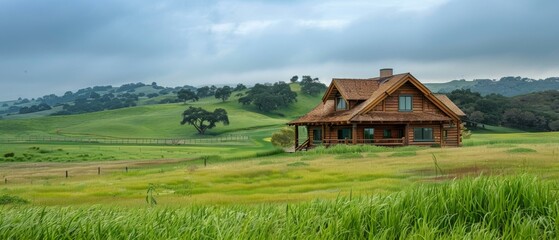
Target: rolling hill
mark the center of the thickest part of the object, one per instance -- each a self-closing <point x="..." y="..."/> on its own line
<point x="155" y="121"/>
<point x="506" y="86"/>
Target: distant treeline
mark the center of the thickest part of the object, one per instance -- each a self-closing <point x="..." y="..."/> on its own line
<point x="98" y="103"/>
<point x="506" y="86"/>
<point x="90" y="99"/>
<point x="533" y="112"/>
<point x="265" y="97"/>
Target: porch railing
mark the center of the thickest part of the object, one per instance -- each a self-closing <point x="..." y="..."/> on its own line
<point x="305" y="145"/>
<point x="380" y="142"/>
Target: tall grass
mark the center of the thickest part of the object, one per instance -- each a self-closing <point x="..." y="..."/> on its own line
<point x="520" y="207"/>
<point x="344" y="148"/>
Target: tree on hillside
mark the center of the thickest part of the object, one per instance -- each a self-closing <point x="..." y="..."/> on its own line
<point x="34" y="108"/>
<point x="186" y="94"/>
<point x="203" y="91"/>
<point x="212" y="90"/>
<point x="94" y="95"/>
<point x="269" y="97"/>
<point x="312" y="86"/>
<point x="202" y="119"/>
<point x="240" y="87"/>
<point x="223" y="93"/>
<point x="294" y="79"/>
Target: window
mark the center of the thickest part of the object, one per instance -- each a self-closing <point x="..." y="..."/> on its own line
<point x="387" y="133"/>
<point x="445" y="134"/>
<point x="405" y="103"/>
<point x="369" y="135"/>
<point x="344" y="133"/>
<point x="423" y="134"/>
<point x="341" y="104"/>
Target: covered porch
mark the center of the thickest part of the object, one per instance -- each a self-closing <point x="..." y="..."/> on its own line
<point x="426" y="133"/>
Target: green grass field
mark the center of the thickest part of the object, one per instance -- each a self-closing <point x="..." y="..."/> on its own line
<point x="148" y="121"/>
<point x="287" y="177"/>
<point x="251" y="190"/>
<point x="521" y="207"/>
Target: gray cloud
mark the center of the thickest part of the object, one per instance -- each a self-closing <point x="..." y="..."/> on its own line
<point x="60" y="45"/>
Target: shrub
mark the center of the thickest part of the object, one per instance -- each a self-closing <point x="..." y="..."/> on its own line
<point x="9" y="155"/>
<point x="285" y="137"/>
<point x="7" y="199"/>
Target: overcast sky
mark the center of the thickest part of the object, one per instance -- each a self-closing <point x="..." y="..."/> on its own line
<point x="58" y="45"/>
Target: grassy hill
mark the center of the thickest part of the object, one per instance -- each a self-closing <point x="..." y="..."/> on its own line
<point x="155" y="121"/>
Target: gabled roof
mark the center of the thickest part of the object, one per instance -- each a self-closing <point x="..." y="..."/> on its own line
<point x="377" y="90"/>
<point x="443" y="98"/>
<point x="323" y="113"/>
<point x="352" y="89"/>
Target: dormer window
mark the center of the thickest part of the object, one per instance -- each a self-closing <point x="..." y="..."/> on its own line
<point x="341" y="104"/>
<point x="405" y="103"/>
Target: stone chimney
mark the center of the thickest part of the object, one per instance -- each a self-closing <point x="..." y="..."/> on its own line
<point x="386" y="72"/>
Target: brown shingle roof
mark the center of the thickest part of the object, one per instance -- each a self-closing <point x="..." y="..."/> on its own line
<point x="450" y="104"/>
<point x="386" y="84"/>
<point x="356" y="89"/>
<point x="324" y="112"/>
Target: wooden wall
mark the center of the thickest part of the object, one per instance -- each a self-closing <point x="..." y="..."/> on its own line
<point x="452" y="139"/>
<point x="419" y="102"/>
<point x="452" y="135"/>
<point x="436" y="134"/>
<point x="391" y="102"/>
<point x="332" y="132"/>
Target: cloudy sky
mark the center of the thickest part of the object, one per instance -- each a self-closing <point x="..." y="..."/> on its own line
<point x="58" y="45"/>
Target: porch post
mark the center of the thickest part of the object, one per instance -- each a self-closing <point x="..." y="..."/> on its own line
<point x="459" y="133"/>
<point x="442" y="134"/>
<point x="328" y="129"/>
<point x="323" y="136"/>
<point x="296" y="136"/>
<point x="354" y="133"/>
<point x="407" y="134"/>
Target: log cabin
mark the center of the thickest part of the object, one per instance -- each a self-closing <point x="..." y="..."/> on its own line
<point x="389" y="110"/>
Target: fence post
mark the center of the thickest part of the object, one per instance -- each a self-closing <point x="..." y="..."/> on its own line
<point x="5" y="180"/>
<point x="98" y="170"/>
<point x="66" y="173"/>
<point x="126" y="168"/>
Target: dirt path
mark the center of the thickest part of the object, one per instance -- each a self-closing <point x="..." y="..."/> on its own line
<point x="23" y="172"/>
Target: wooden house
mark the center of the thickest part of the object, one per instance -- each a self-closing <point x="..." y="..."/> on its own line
<point x="387" y="110"/>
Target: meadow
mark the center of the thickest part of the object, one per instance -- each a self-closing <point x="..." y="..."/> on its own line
<point x="499" y="187"/>
<point x="501" y="184"/>
<point x="520" y="207"/>
<point x="280" y="177"/>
